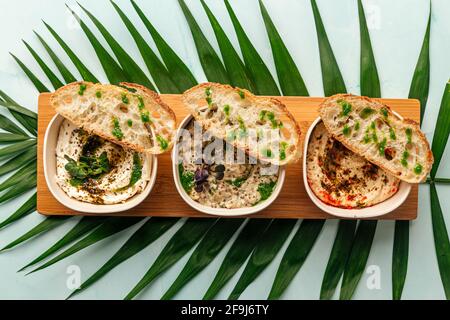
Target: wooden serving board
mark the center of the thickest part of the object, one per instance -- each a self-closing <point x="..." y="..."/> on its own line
<point x="164" y="200"/>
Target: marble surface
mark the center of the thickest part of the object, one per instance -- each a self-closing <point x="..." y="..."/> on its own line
<point x="396" y="28"/>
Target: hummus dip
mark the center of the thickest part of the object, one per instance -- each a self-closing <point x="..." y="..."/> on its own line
<point x="91" y="169"/>
<point x="219" y="181"/>
<point x="341" y="178"/>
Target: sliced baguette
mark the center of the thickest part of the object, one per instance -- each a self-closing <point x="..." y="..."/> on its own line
<point x="395" y="144"/>
<point x="119" y="114"/>
<point x="227" y="112"/>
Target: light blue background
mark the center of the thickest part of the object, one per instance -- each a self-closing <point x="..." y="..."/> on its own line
<point x="397" y="32"/>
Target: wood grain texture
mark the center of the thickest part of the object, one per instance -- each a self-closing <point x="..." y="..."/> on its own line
<point x="164" y="200"/>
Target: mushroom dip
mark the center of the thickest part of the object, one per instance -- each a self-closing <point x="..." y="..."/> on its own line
<point x="221" y="176"/>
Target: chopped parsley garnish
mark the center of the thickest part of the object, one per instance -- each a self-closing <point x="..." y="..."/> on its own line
<point x="267" y="153"/>
<point x="366" y="138"/>
<point x="266" y="189"/>
<point x="186" y="178"/>
<point x="98" y="94"/>
<point x="162" y="142"/>
<point x="241" y="94"/>
<point x="366" y="112"/>
<point x="346" y="108"/>
<point x="357" y="125"/>
<point x="136" y="173"/>
<point x="418" y="169"/>
<point x="145" y="116"/>
<point x="226" y="110"/>
<point x="125" y="98"/>
<point x="382" y="146"/>
<point x="238" y="181"/>
<point x="408" y="132"/>
<point x="141" y="104"/>
<point x="283" y="147"/>
<point x="347" y="130"/>
<point x="82" y="89"/>
<point x="384" y="112"/>
<point x="117" y="132"/>
<point x="392" y="134"/>
<point x="262" y="114"/>
<point x="130" y="123"/>
<point x="404" y="160"/>
<point x="208" y="95"/>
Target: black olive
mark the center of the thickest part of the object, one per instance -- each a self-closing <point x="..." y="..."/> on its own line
<point x="220" y="168"/>
<point x="219" y="175"/>
<point x="199" y="187"/>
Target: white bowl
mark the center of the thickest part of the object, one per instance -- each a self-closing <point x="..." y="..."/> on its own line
<point x="377" y="210"/>
<point x="49" y="156"/>
<point x="220" y="211"/>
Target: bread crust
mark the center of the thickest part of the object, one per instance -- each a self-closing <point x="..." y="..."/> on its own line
<point x="330" y="124"/>
<point x="259" y="102"/>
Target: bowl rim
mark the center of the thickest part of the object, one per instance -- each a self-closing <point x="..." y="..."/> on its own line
<point x="86" y="207"/>
<point x="223" y="212"/>
<point x="376" y="210"/>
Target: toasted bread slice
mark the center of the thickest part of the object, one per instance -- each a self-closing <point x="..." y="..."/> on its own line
<point x="370" y="129"/>
<point x="132" y="115"/>
<point x="260" y="126"/>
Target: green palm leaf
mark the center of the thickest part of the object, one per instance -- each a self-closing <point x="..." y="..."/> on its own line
<point x="157" y="69"/>
<point x="331" y="75"/>
<point x="210" y="246"/>
<point x="28" y="207"/>
<point x="183" y="240"/>
<point x="418" y="90"/>
<point x="27" y="171"/>
<point x="260" y="74"/>
<point x="21" y="187"/>
<point x="36" y="82"/>
<point x="47" y="224"/>
<point x="84" y="72"/>
<point x="295" y="255"/>
<point x="16" y="148"/>
<point x="179" y="72"/>
<point x="265" y="251"/>
<point x="11" y="137"/>
<point x="18" y="161"/>
<point x="113" y="71"/>
<point x="25" y="117"/>
<point x="236" y="256"/>
<point x="369" y="81"/>
<point x="56" y="83"/>
<point x="10" y="126"/>
<point x="358" y="258"/>
<point x="291" y="82"/>
<point x="151" y="230"/>
<point x="400" y="254"/>
<point x="442" y="130"/>
<point x="85" y="225"/>
<point x="338" y="258"/>
<point x="67" y="75"/>
<point x="212" y="65"/>
<point x="233" y="63"/>
<point x="16" y="108"/>
<point x="441" y="240"/>
<point x="420" y="83"/>
<point x="105" y="230"/>
<point x="133" y="71"/>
